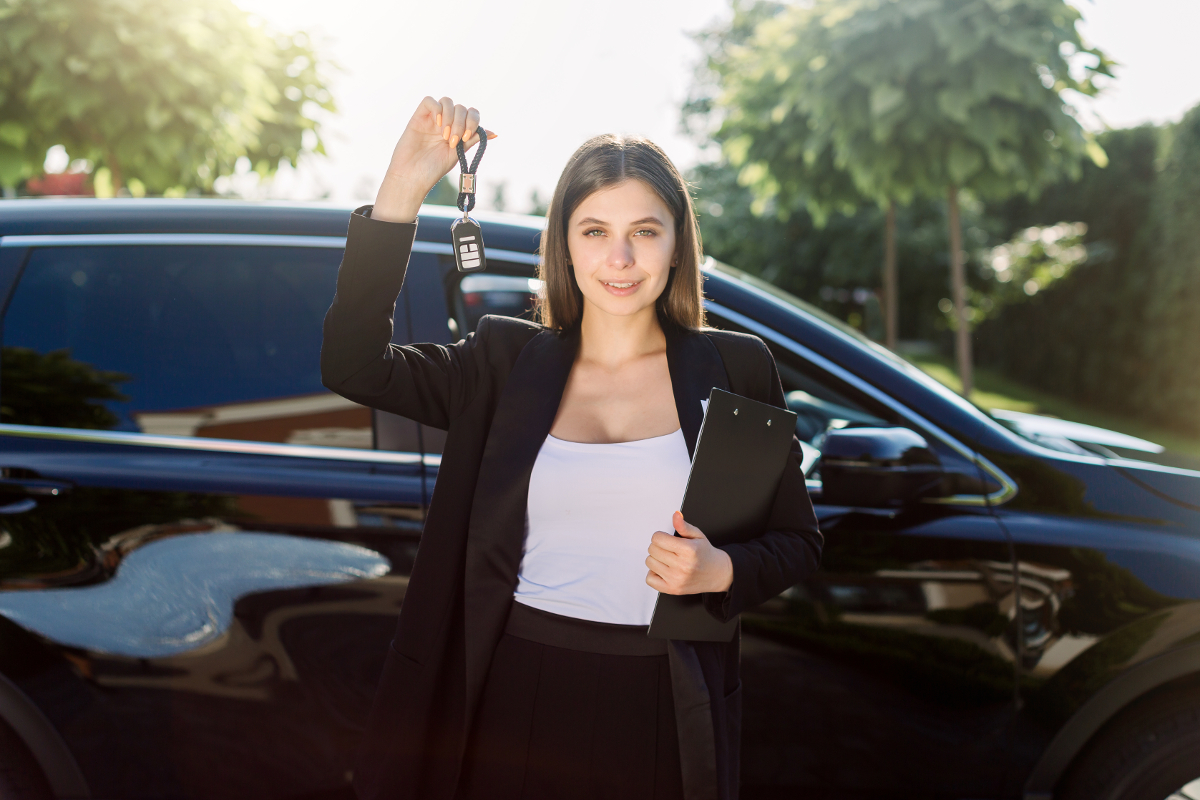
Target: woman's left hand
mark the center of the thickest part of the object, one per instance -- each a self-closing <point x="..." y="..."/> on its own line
<point x="688" y="563"/>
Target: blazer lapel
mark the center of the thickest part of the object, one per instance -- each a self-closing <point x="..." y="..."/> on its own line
<point x="524" y="415"/>
<point x="696" y="369"/>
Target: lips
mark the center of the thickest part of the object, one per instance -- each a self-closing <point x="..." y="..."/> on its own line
<point x="621" y="288"/>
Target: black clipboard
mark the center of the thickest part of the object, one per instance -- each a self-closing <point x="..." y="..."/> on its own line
<point x="739" y="460"/>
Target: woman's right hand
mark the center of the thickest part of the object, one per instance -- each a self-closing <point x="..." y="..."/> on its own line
<point x="427" y="150"/>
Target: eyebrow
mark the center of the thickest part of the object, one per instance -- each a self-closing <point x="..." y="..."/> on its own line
<point x="642" y="221"/>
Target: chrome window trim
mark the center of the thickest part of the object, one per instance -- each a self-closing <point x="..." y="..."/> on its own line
<point x="234" y="446"/>
<point x="108" y="239"/>
<point x="238" y="239"/>
<point x="1007" y="490"/>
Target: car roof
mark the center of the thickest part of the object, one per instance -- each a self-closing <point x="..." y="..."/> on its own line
<point x="55" y="216"/>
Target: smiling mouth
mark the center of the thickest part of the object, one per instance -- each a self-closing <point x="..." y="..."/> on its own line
<point x="616" y="285"/>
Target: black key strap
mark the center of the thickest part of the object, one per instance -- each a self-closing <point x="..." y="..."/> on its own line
<point x="466" y="199"/>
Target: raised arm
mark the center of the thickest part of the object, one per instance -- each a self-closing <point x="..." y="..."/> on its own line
<point x="428" y="383"/>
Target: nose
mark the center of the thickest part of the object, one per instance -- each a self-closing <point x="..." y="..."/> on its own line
<point x="620" y="254"/>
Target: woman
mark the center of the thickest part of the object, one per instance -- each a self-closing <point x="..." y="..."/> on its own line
<point x="520" y="666"/>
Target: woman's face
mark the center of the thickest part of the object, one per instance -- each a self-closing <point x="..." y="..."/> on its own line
<point x="622" y="242"/>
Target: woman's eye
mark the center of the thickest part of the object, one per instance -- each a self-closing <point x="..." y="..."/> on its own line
<point x="593" y="230"/>
<point x="645" y="230"/>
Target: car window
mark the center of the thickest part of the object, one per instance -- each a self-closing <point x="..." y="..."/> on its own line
<point x="210" y="341"/>
<point x="823" y="402"/>
<point x="509" y="295"/>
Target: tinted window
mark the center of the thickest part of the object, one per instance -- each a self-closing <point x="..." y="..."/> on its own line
<point x="215" y="341"/>
<point x="824" y="402"/>
<point x="506" y="295"/>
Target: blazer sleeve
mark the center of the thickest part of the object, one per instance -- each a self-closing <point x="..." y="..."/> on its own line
<point x="789" y="550"/>
<point x="429" y="383"/>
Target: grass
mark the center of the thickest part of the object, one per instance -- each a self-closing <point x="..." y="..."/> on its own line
<point x="996" y="391"/>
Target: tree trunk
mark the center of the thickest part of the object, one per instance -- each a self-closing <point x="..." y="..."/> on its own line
<point x="114" y="168"/>
<point x="891" y="314"/>
<point x="962" y="334"/>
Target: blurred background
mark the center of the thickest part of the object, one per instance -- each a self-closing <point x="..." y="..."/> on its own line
<point x="1014" y="204"/>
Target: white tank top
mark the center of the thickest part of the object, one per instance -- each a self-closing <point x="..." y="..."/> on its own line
<point x="592" y="510"/>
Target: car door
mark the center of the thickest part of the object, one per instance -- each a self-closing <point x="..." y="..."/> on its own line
<point x="202" y="555"/>
<point x="890" y="672"/>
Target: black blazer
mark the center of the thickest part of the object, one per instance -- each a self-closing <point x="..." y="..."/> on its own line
<point x="497" y="393"/>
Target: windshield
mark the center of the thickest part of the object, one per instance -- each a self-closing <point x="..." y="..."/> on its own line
<point x="899" y="362"/>
<point x="1047" y="431"/>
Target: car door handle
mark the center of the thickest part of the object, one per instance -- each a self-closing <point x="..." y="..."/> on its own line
<point x="34" y="487"/>
<point x="19" y="507"/>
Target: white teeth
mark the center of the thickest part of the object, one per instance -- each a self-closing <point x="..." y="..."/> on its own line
<point x="618" y="285"/>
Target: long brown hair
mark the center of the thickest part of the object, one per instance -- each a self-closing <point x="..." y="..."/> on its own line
<point x="599" y="163"/>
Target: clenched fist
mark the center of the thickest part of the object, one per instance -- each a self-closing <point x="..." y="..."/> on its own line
<point x="688" y="563"/>
<point x="427" y="150"/>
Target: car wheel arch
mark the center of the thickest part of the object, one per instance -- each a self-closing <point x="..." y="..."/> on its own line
<point x="1089" y="720"/>
<point x="51" y="752"/>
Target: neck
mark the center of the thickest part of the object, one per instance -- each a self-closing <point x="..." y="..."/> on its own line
<point x="612" y="341"/>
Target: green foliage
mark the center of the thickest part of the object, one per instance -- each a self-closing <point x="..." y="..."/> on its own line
<point x="168" y="94"/>
<point x="444" y="192"/>
<point x="537" y="206"/>
<point x="903" y="98"/>
<point x="824" y="265"/>
<point x="1120" y="334"/>
<point x="766" y="130"/>
<point x="1032" y="261"/>
<point x="56" y="390"/>
<point x="1171" y="340"/>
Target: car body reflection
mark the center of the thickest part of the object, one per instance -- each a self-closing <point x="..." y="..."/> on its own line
<point x="176" y="594"/>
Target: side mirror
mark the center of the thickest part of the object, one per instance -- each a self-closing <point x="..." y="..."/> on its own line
<point x="877" y="467"/>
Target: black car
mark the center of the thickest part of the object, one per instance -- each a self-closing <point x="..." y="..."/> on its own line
<point x="203" y="552"/>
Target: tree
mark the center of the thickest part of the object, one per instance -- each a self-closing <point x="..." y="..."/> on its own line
<point x="916" y="98"/>
<point x="55" y="389"/>
<point x="1170" y="340"/>
<point x="768" y="133"/>
<point x="1095" y="318"/>
<point x="162" y="95"/>
<point x="830" y="265"/>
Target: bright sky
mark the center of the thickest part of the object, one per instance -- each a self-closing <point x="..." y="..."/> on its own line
<point x="547" y="74"/>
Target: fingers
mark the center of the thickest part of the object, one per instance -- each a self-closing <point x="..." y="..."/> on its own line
<point x="454" y="121"/>
<point x="686" y="529"/>
<point x="459" y="124"/>
<point x="656" y="583"/>
<point x="431" y="107"/>
<point x="663" y="555"/>
<point x="470" y="136"/>
<point x="666" y="541"/>
<point x="658" y="568"/>
<point x="445" y="116"/>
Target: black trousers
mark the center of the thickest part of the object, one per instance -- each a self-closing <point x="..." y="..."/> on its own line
<point x="574" y="709"/>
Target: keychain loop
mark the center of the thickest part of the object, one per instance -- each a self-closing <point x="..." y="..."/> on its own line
<point x="466" y="197"/>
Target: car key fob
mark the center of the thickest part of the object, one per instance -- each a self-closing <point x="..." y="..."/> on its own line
<point x="468" y="245"/>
